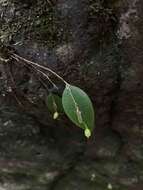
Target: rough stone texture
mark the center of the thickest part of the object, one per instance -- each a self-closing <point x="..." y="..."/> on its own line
<point x="96" y="45"/>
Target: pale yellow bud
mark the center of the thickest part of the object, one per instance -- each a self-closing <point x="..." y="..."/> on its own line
<point x="56" y="115"/>
<point x="87" y="132"/>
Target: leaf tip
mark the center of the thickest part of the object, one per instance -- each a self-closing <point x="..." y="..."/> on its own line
<point x="56" y="115"/>
<point x="87" y="132"/>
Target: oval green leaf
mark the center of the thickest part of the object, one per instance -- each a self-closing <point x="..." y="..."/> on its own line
<point x="78" y="107"/>
<point x="54" y="103"/>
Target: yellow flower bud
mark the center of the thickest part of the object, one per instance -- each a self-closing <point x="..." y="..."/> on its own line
<point x="56" y="115"/>
<point x="87" y="132"/>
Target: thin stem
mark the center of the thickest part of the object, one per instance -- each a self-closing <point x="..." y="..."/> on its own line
<point x="46" y="76"/>
<point x="39" y="78"/>
<point x="50" y="2"/>
<point x="15" y="56"/>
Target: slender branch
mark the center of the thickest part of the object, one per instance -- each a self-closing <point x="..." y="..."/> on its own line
<point x="50" y="2"/>
<point x="45" y="75"/>
<point x="39" y="78"/>
<point x="15" y="56"/>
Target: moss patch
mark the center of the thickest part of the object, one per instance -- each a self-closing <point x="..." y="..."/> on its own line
<point x="37" y="21"/>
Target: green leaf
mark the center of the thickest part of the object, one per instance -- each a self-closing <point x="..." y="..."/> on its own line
<point x="78" y="107"/>
<point x="54" y="103"/>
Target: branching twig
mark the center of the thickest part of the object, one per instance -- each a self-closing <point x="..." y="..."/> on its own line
<point x="17" y="57"/>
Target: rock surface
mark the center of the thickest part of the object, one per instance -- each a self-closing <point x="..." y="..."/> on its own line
<point x="96" y="45"/>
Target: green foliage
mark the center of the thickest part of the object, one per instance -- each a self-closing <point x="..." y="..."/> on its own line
<point x="78" y="107"/>
<point x="54" y="104"/>
<point x="74" y="101"/>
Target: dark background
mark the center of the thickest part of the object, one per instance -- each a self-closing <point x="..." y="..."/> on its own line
<point x="93" y="44"/>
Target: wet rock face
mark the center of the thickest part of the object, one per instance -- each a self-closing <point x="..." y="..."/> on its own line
<point x="29" y="158"/>
<point x="128" y="119"/>
<point x="96" y="45"/>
